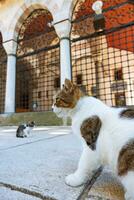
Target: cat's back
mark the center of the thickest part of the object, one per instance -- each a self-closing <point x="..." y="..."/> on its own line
<point x="21" y="128"/>
<point x="86" y="108"/>
<point x="20" y="132"/>
<point x="114" y="120"/>
<point x="89" y="106"/>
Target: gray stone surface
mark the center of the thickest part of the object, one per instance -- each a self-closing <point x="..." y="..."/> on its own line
<point x="35" y="167"/>
<point x="8" y="194"/>
<point x="41" y="162"/>
<point x="106" y="186"/>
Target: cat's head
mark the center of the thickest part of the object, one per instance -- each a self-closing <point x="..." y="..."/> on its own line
<point x="31" y="124"/>
<point x="66" y="98"/>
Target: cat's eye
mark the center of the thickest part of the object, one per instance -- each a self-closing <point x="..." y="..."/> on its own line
<point x="57" y="99"/>
<point x="62" y="99"/>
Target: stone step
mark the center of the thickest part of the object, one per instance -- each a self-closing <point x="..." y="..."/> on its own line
<point x="106" y="187"/>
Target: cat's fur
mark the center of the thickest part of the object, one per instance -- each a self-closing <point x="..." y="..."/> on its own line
<point x="24" y="130"/>
<point x="107" y="135"/>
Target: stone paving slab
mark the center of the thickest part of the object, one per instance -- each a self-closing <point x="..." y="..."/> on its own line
<point x="8" y="194"/>
<point x="104" y="187"/>
<point x="8" y="139"/>
<point x="41" y="165"/>
<point x="35" y="167"/>
<point x="107" y="186"/>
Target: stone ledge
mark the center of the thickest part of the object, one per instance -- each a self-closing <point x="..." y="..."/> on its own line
<point x="106" y="187"/>
<point x="40" y="118"/>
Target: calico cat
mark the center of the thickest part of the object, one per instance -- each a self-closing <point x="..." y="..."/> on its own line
<point x="106" y="133"/>
<point x="24" y="130"/>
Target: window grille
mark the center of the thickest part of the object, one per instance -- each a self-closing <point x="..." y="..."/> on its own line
<point x="38" y="63"/>
<point x="104" y="53"/>
<point x="3" y="64"/>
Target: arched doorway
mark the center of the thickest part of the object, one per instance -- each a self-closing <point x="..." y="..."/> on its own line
<point x="38" y="67"/>
<point x="103" y="51"/>
<point x="3" y="63"/>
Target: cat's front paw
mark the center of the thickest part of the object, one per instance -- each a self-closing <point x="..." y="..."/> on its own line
<point x="24" y="136"/>
<point x="75" y="180"/>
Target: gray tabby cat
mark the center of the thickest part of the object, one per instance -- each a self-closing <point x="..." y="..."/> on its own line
<point x="24" y="130"/>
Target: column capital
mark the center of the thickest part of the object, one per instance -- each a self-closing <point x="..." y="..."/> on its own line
<point x="10" y="47"/>
<point x="63" y="28"/>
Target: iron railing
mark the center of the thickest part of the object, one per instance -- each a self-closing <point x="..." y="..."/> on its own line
<point x="38" y="64"/>
<point x="3" y="63"/>
<point x="104" y="57"/>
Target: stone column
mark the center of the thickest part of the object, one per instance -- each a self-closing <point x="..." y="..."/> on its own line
<point x="63" y="31"/>
<point x="10" y="47"/>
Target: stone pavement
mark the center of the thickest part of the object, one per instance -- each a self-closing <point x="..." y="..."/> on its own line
<point x="34" y="168"/>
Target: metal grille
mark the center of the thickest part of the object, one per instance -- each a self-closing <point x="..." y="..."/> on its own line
<point x="37" y="64"/>
<point x="104" y="57"/>
<point x="3" y="61"/>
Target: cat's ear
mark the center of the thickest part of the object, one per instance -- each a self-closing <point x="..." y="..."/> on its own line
<point x="68" y="86"/>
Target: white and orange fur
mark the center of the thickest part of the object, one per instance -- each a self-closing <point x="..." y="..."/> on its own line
<point x="115" y="132"/>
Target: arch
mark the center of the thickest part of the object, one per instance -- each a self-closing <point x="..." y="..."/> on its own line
<point x="2" y="28"/>
<point x="73" y="8"/>
<point x="23" y="12"/>
<point x="65" y="11"/>
<point x="29" y="6"/>
<point x="37" y="62"/>
<point x="68" y="8"/>
<point x="60" y="10"/>
<point x="3" y="31"/>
